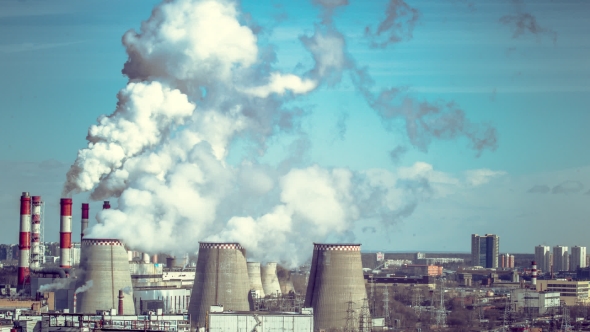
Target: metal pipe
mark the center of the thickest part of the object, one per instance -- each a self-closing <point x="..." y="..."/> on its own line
<point x="24" y="243"/>
<point x="65" y="234"/>
<point x="84" y="226"/>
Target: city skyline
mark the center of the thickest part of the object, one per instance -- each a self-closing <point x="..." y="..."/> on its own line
<point x="514" y="162"/>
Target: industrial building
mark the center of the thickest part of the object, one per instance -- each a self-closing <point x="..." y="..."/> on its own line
<point x="534" y="302"/>
<point x="485" y="250"/>
<point x="237" y="321"/>
<point x="571" y="292"/>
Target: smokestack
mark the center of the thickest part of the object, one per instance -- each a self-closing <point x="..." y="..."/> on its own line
<point x="120" y="308"/>
<point x="221" y="277"/>
<point x="534" y="273"/>
<point x="24" y="243"/>
<point x="105" y="263"/>
<point x="335" y="280"/>
<point x="65" y="234"/>
<point x="270" y="281"/>
<point x="255" y="278"/>
<point x="85" y="209"/>
<point x="36" y="233"/>
<point x="75" y="301"/>
<point x="106" y="205"/>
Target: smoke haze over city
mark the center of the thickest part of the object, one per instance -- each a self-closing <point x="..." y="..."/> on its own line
<point x="396" y="124"/>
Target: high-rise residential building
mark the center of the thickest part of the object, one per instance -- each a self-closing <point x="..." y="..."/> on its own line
<point x="485" y="250"/>
<point x="577" y="258"/>
<point x="543" y="258"/>
<point x="560" y="258"/>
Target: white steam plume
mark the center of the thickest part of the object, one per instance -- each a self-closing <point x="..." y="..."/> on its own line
<point x="61" y="283"/>
<point x="84" y="287"/>
<point x="172" y="181"/>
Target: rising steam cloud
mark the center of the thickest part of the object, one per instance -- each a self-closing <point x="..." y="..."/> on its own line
<point x="198" y="81"/>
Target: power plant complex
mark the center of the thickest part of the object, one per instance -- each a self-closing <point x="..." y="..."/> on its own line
<point x="111" y="282"/>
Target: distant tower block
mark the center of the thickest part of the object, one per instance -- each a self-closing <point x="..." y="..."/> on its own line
<point x="335" y="280"/>
<point x="105" y="263"/>
<point x="270" y="281"/>
<point x="221" y="278"/>
<point x="255" y="278"/>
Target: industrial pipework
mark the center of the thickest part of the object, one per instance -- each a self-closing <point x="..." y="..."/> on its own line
<point x="24" y="243"/>
<point x="65" y="233"/>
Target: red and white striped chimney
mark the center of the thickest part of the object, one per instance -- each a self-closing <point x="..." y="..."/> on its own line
<point x="65" y="233"/>
<point x="24" y="242"/>
<point x="36" y="232"/>
<point x="106" y="205"/>
<point x="534" y="273"/>
<point x="85" y="209"/>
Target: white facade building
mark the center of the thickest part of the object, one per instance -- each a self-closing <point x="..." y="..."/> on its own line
<point x="260" y="321"/>
<point x="543" y="258"/>
<point x="577" y="258"/>
<point x="531" y="301"/>
<point x="560" y="258"/>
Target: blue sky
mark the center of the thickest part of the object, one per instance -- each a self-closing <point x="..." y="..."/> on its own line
<point x="61" y="69"/>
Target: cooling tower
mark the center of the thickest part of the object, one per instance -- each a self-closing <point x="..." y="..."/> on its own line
<point x="104" y="262"/>
<point x="286" y="286"/>
<point x="335" y="279"/>
<point x="255" y="278"/>
<point x="270" y="281"/>
<point x="221" y="278"/>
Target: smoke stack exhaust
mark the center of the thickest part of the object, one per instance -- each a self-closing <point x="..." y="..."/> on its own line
<point x="106" y="205"/>
<point x="534" y="273"/>
<point x="36" y="232"/>
<point x="24" y="243"/>
<point x="120" y="310"/>
<point x="65" y="234"/>
<point x="84" y="226"/>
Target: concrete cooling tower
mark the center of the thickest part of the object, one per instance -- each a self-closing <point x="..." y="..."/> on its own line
<point x="335" y="279"/>
<point x="286" y="286"/>
<point x="221" y="277"/>
<point x="105" y="267"/>
<point x="255" y="278"/>
<point x="270" y="281"/>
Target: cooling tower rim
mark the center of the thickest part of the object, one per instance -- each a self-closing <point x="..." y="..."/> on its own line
<point x="220" y="245"/>
<point x="337" y="246"/>
<point x="102" y="242"/>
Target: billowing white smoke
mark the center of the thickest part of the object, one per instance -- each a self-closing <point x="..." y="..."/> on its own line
<point x="84" y="287"/>
<point x="197" y="83"/>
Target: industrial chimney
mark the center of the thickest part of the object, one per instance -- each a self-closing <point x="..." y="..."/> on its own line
<point x="36" y="233"/>
<point x="106" y="205"/>
<point x="120" y="310"/>
<point x="65" y="233"/>
<point x="335" y="280"/>
<point x="104" y="262"/>
<point x="24" y="242"/>
<point x="255" y="278"/>
<point x="270" y="281"/>
<point x="221" y="278"/>
<point x="84" y="224"/>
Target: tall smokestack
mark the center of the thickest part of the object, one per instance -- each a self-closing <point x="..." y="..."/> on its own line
<point x="36" y="232"/>
<point x="24" y="243"/>
<point x="65" y="233"/>
<point x="534" y="273"/>
<point x="335" y="280"/>
<point x="106" y="205"/>
<point x="120" y="310"/>
<point x="85" y="209"/>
